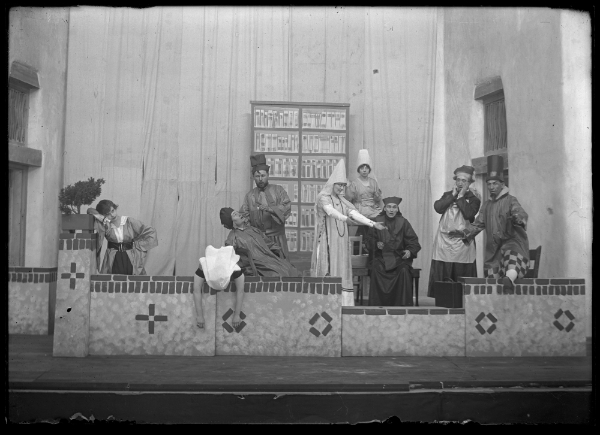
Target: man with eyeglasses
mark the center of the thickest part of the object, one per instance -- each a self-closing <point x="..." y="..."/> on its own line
<point x="505" y="224"/>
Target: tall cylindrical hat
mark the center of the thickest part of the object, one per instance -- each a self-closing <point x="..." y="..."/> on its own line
<point x="495" y="168"/>
<point x="259" y="163"/>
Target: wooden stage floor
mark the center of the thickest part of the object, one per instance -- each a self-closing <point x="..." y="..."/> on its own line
<point x="38" y="382"/>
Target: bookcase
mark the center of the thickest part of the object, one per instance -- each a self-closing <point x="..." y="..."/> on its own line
<point x="302" y="143"/>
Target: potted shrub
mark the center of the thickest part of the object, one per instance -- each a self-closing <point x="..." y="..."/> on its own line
<point x="73" y="197"/>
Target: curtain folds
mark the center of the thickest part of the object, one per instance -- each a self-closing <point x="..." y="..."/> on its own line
<point x="158" y="105"/>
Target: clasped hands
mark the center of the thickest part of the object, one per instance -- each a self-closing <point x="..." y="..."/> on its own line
<point x="405" y="255"/>
<point x="265" y="208"/>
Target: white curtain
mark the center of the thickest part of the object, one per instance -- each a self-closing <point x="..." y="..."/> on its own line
<point x="158" y="105"/>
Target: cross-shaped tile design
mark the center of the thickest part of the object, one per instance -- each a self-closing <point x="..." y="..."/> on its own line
<point x="72" y="276"/>
<point x="151" y="318"/>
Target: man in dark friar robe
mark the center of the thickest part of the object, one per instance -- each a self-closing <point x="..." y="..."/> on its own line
<point x="394" y="250"/>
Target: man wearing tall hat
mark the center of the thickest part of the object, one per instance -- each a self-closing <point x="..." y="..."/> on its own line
<point x="394" y="249"/>
<point x="453" y="257"/>
<point x="267" y="206"/>
<point x="505" y="224"/>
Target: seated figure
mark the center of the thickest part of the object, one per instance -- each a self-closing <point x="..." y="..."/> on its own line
<point x="259" y="250"/>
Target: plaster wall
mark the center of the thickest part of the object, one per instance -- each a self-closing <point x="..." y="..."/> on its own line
<point x="541" y="57"/>
<point x="38" y="38"/>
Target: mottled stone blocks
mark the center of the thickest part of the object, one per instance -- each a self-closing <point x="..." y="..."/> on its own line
<point x="72" y="314"/>
<point x="387" y="331"/>
<point x="281" y="318"/>
<point x="150" y="323"/>
<point x="542" y="318"/>
<point x="31" y="293"/>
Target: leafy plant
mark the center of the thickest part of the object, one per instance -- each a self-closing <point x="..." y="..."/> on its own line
<point x="72" y="197"/>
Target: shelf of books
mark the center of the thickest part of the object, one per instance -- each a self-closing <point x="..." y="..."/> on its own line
<point x="302" y="143"/>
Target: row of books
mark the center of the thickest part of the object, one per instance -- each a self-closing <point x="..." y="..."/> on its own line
<point x="267" y="142"/>
<point x="305" y="244"/>
<point x="318" y="168"/>
<point x="276" y="118"/>
<point x="310" y="191"/>
<point x="308" y="217"/>
<point x="283" y="167"/>
<point x="322" y="119"/>
<point x="293" y="196"/>
<point x="323" y="143"/>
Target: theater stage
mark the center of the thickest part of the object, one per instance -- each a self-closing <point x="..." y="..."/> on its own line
<point x="236" y="389"/>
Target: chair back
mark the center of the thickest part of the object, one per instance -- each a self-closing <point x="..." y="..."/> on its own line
<point x="534" y="262"/>
<point x="355" y="245"/>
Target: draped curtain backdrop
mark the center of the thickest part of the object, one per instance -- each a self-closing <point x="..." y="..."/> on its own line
<point x="158" y="105"/>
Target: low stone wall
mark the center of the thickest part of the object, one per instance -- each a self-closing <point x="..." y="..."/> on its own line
<point x="149" y="315"/>
<point x="403" y="331"/>
<point x="282" y="317"/>
<point x="154" y="315"/>
<point x="540" y="317"/>
<point x="31" y="300"/>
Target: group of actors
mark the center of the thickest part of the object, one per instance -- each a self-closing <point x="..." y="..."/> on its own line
<point x="256" y="244"/>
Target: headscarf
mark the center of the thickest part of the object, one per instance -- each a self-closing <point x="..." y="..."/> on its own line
<point x="225" y="215"/>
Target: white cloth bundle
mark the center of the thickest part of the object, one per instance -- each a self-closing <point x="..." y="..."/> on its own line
<point x="218" y="265"/>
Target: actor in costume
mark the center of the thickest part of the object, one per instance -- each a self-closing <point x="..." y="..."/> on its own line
<point x="331" y="249"/>
<point x="128" y="240"/>
<point x="364" y="192"/>
<point x="394" y="250"/>
<point x="453" y="257"/>
<point x="505" y="224"/>
<point x="267" y="206"/>
<point x="263" y="250"/>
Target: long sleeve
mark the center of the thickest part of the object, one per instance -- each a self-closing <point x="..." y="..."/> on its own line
<point x="145" y="236"/>
<point x="442" y="204"/>
<point x="355" y="215"/>
<point x="472" y="229"/>
<point x="327" y="206"/>
<point x="468" y="206"/>
<point x="283" y="207"/>
<point x="518" y="211"/>
<point x="411" y="240"/>
<point x="245" y="208"/>
<point x="101" y="234"/>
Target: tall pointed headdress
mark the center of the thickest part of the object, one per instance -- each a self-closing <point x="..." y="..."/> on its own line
<point x="365" y="159"/>
<point x="337" y="176"/>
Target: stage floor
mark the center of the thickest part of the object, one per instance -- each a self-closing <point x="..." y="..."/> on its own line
<point x="31" y="368"/>
<point x="31" y="363"/>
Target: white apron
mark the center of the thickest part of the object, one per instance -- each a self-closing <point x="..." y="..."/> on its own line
<point x="448" y="249"/>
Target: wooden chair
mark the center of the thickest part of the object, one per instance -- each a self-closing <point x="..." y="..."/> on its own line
<point x="534" y="256"/>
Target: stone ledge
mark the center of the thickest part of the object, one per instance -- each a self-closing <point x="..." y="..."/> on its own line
<point x="396" y="311"/>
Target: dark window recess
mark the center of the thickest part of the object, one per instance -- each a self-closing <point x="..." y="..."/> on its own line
<point x="495" y="127"/>
<point x="17" y="115"/>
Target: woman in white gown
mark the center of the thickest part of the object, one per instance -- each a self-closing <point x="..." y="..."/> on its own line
<point x="331" y="250"/>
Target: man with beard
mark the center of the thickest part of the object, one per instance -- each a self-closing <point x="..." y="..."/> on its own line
<point x="267" y="206"/>
<point x="505" y="222"/>
<point x="394" y="249"/>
